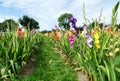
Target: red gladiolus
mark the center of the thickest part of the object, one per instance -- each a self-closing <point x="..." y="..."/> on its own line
<point x="20" y="33"/>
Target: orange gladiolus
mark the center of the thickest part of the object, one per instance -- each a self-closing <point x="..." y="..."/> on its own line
<point x="109" y="30"/>
<point x="115" y="33"/>
<point x="20" y="33"/>
<point x="93" y="31"/>
<point x="56" y="37"/>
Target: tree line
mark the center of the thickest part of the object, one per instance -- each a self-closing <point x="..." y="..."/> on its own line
<point x="25" y="21"/>
<point x="30" y="23"/>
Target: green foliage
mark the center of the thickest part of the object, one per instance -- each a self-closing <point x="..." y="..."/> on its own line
<point x="28" y="23"/>
<point x="8" y="23"/>
<point x="114" y="15"/>
<point x="15" y="52"/>
<point x="64" y="21"/>
<point x="101" y="64"/>
<point x="49" y="66"/>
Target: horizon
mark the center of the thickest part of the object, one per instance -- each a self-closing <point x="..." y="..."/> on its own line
<point x="47" y="12"/>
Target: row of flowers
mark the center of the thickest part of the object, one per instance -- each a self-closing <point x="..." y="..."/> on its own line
<point x="15" y="50"/>
<point x="96" y="50"/>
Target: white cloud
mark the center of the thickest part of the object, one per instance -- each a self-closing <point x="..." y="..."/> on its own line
<point x="48" y="11"/>
<point x="4" y="17"/>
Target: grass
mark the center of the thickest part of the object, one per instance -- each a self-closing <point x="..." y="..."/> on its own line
<point x="49" y="66"/>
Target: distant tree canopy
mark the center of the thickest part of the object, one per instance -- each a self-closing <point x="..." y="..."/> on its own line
<point x="118" y="26"/>
<point x="28" y="22"/>
<point x="96" y="24"/>
<point x="9" y="23"/>
<point x="64" y="21"/>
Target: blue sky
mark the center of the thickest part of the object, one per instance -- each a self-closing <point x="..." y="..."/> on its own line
<point x="46" y="12"/>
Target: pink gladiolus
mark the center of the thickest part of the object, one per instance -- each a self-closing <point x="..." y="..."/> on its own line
<point x="32" y="31"/>
<point x="71" y="41"/>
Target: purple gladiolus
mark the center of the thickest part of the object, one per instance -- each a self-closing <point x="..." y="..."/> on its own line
<point x="71" y="41"/>
<point x="56" y="27"/>
<point x="71" y="18"/>
<point x="89" y="39"/>
<point x="73" y="21"/>
<point x="89" y="42"/>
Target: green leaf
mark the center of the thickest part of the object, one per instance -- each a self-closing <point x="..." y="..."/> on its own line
<point x="117" y="69"/>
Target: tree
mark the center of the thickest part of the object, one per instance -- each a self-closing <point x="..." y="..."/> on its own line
<point x="9" y="23"/>
<point x="28" y="22"/>
<point x="118" y="26"/>
<point x="64" y="21"/>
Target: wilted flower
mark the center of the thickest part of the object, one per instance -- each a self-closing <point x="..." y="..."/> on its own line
<point x="115" y="43"/>
<point x="71" y="41"/>
<point x="111" y="54"/>
<point x="116" y="50"/>
<point x="111" y="40"/>
<point x="111" y="46"/>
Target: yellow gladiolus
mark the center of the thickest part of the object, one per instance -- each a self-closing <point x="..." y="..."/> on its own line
<point x="70" y="33"/>
<point x="82" y="34"/>
<point x="26" y="33"/>
<point x="97" y="42"/>
<point x="46" y="34"/>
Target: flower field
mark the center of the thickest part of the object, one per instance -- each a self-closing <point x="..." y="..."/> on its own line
<point x="61" y="53"/>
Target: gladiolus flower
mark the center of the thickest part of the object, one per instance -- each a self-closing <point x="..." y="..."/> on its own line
<point x="46" y="34"/>
<point x="26" y="33"/>
<point x="82" y="34"/>
<point x="97" y="43"/>
<point x="59" y="34"/>
<point x="73" y="21"/>
<point x="20" y="33"/>
<point x="109" y="30"/>
<point x="89" y="42"/>
<point x="56" y="27"/>
<point x="93" y="31"/>
<point x="70" y="33"/>
<point x="56" y="36"/>
<point x="71" y="41"/>
<point x="115" y="33"/>
<point x="89" y="39"/>
<point x="32" y="31"/>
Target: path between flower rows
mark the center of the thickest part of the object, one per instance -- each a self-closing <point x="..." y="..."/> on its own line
<point x="50" y="66"/>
